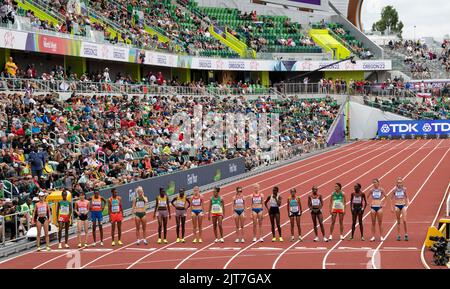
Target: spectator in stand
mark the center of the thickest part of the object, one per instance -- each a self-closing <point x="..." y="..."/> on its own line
<point x="11" y="68"/>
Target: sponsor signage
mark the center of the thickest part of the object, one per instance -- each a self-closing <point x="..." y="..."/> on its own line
<point x="403" y="128"/>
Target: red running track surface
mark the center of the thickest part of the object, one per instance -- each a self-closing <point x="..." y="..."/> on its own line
<point x="424" y="164"/>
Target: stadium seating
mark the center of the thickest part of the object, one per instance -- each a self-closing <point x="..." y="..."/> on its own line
<point x="261" y="32"/>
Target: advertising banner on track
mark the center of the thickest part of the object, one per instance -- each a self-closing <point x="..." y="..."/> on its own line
<point x="407" y="128"/>
<point x="172" y="183"/>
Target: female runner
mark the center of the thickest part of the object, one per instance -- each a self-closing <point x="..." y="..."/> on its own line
<point x="358" y="205"/>
<point x="163" y="209"/>
<point x="257" y="213"/>
<point x="63" y="211"/>
<point x="377" y="196"/>
<point x="197" y="214"/>
<point x="81" y="210"/>
<point x="294" y="210"/>
<point x="315" y="204"/>
<point x="337" y="208"/>
<point x="115" y="216"/>
<point x="274" y="212"/>
<point x="41" y="217"/>
<point x="180" y="213"/>
<point x="239" y="214"/>
<point x="217" y="211"/>
<point x="96" y="208"/>
<point x="400" y="203"/>
<point x="140" y="219"/>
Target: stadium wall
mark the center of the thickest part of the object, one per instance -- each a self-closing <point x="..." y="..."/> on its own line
<point x="345" y="75"/>
<point x="172" y="182"/>
<point x="364" y="120"/>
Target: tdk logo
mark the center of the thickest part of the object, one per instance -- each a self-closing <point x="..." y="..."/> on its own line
<point x="233" y="168"/>
<point x="191" y="179"/>
<point x="399" y="128"/>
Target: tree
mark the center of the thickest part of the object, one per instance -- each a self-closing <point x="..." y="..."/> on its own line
<point x="389" y="21"/>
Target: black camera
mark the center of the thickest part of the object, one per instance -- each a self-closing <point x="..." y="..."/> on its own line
<point x="439" y="249"/>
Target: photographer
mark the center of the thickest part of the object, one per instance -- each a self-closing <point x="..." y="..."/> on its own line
<point x="10" y="219"/>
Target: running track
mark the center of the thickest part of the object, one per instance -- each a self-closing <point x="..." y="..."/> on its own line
<point x="424" y="164"/>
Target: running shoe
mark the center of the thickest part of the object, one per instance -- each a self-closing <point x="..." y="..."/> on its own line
<point x="165" y="241"/>
<point x="101" y="243"/>
<point x="261" y="240"/>
<point x="159" y="241"/>
<point x="200" y="240"/>
<point x="221" y="240"/>
<point x="406" y="237"/>
<point x="194" y="241"/>
<point x="292" y="238"/>
<point x="79" y="245"/>
<point x="254" y="239"/>
<point x="120" y="243"/>
<point x="113" y="243"/>
<point x="67" y="246"/>
<point x="350" y="238"/>
<point x="94" y="245"/>
<point x="38" y="248"/>
<point x="325" y="239"/>
<point x="362" y="238"/>
<point x="242" y="240"/>
<point x="178" y="240"/>
<point x="216" y="241"/>
<point x="300" y="238"/>
<point x="280" y="239"/>
<point x="59" y="246"/>
<point x="85" y="245"/>
<point x="399" y="238"/>
<point x="138" y="242"/>
<point x="274" y="239"/>
<point x="237" y="240"/>
<point x="48" y="249"/>
<point x="316" y="239"/>
<point x="145" y="242"/>
<point x="372" y="239"/>
<point x="330" y="238"/>
<point x="182" y="240"/>
<point x="382" y="239"/>
<point x="342" y="237"/>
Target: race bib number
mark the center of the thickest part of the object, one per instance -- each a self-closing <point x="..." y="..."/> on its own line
<point x="294" y="209"/>
<point x="357" y="200"/>
<point x="376" y="194"/>
<point x="64" y="210"/>
<point x="82" y="210"/>
<point x="216" y="209"/>
<point x="338" y="205"/>
<point x="42" y="210"/>
<point x="140" y="204"/>
<point x="180" y="204"/>
<point x="315" y="202"/>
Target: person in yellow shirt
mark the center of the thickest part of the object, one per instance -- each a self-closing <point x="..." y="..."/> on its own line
<point x="11" y="67"/>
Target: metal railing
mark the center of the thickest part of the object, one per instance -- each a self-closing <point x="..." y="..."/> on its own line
<point x="14" y="227"/>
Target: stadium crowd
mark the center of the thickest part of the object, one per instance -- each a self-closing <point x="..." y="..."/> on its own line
<point x="420" y="57"/>
<point x="89" y="142"/>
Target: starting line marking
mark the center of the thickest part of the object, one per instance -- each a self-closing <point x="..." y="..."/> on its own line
<point x="354" y="248"/>
<point x="400" y="248"/>
<point x="311" y="248"/>
<point x="82" y="250"/>
<point x="141" y="249"/>
<point x="268" y="248"/>
<point x="225" y="248"/>
<point x="182" y="249"/>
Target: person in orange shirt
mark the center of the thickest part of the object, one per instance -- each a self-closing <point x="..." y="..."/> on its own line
<point x="96" y="208"/>
<point x="115" y="216"/>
